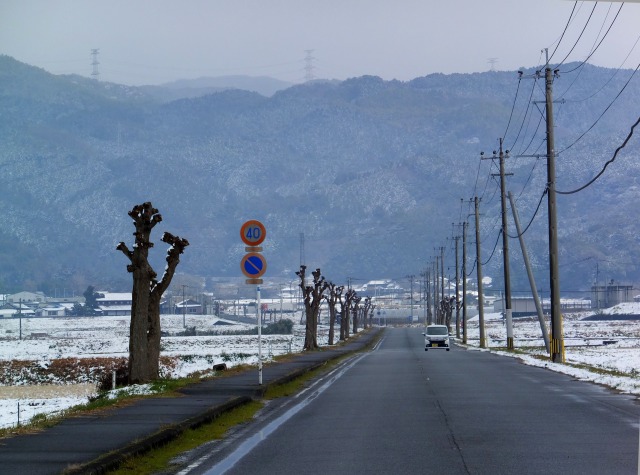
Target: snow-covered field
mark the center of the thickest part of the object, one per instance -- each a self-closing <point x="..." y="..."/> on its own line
<point x="603" y="351"/>
<point x="32" y="347"/>
<point x="34" y="388"/>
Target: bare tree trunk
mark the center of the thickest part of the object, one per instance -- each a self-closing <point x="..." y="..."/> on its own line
<point x="356" y="309"/>
<point x="313" y="295"/>
<point x="347" y="308"/>
<point x="365" y="312"/>
<point x="335" y="294"/>
<point x="144" y="330"/>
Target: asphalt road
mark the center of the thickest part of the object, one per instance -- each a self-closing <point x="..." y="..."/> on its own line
<point x="399" y="409"/>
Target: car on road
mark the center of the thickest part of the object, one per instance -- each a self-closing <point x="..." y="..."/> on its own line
<point x="436" y="336"/>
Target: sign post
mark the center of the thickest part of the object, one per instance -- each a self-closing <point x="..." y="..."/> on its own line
<point x="253" y="265"/>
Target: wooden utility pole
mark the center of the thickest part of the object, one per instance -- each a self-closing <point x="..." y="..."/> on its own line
<point x="483" y="340"/>
<point x="436" y="309"/>
<point x="557" y="339"/>
<point x="428" y="292"/>
<point x="442" y="272"/>
<point x="505" y="251"/>
<point x="457" y="238"/>
<point x="464" y="282"/>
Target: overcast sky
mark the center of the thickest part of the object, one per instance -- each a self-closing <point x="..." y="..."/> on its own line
<point x="155" y="41"/>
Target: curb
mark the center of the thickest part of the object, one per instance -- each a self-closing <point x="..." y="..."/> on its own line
<point x="113" y="460"/>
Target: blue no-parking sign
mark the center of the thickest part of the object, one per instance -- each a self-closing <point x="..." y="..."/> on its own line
<point x="253" y="265"/>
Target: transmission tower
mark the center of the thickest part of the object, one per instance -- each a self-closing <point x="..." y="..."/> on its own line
<point x="94" y="64"/>
<point x="302" y="256"/>
<point x="308" y="65"/>
<point x="492" y="62"/>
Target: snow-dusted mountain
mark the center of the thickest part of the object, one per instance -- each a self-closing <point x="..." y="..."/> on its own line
<point x="372" y="172"/>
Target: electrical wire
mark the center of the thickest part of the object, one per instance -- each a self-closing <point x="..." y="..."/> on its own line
<point x="610" y="78"/>
<point x="598" y="46"/>
<point x="580" y="35"/>
<point x="603" y="112"/>
<point x="604" y="22"/>
<point x="513" y="106"/>
<point x="535" y="213"/>
<point x="563" y="33"/>
<point x="495" y="246"/>
<point x="526" y="114"/>
<point x="610" y="161"/>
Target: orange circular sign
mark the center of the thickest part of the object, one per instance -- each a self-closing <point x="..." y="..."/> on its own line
<point x="253" y="232"/>
<point x="253" y="265"/>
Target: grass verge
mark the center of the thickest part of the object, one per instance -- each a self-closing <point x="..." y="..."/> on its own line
<point x="160" y="459"/>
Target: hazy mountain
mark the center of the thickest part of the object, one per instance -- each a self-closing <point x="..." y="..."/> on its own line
<point x="191" y="88"/>
<point x="372" y="172"/>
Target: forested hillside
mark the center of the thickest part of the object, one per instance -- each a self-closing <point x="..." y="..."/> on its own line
<point x="371" y="171"/>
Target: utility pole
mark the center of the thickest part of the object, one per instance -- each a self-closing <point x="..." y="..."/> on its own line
<point x="457" y="238"/>
<point x="428" y="292"/>
<point x="505" y="247"/>
<point x="557" y="354"/>
<point x="425" y="296"/>
<point x="435" y="292"/>
<point x="184" y="309"/>
<point x="442" y="273"/>
<point x="464" y="282"/>
<point x="557" y="339"/>
<point x="411" y="277"/>
<point x="483" y="340"/>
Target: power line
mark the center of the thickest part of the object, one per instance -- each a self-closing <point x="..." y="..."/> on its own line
<point x="580" y="35"/>
<point x="603" y="112"/>
<point x="563" y="33"/>
<point x="532" y="217"/>
<point x="605" y="165"/>
<point x="598" y="46"/>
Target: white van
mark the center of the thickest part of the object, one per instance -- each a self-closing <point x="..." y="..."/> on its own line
<point x="436" y="336"/>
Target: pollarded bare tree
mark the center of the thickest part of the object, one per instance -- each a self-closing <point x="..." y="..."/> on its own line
<point x="347" y="308"/>
<point x="365" y="312"/>
<point x="144" y="331"/>
<point x="447" y="305"/>
<point x="313" y="295"/>
<point x="356" y="310"/>
<point x="334" y="296"/>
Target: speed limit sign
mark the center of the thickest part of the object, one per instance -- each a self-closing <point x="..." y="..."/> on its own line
<point x="253" y="233"/>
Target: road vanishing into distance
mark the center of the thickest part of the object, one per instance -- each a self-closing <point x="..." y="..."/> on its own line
<point x="400" y="410"/>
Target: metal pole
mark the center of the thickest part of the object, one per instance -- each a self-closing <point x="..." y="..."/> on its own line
<point x="259" y="335"/>
<point x="557" y="340"/>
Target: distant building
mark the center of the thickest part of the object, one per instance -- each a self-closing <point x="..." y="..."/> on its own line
<point x="26" y="297"/>
<point x="51" y="311"/>
<point x="115" y="304"/>
<point x="189" y="306"/>
<point x="526" y="306"/>
<point x="605" y="296"/>
<point x="17" y="309"/>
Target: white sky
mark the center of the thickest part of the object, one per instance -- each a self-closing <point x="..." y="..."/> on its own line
<point x="155" y="41"/>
